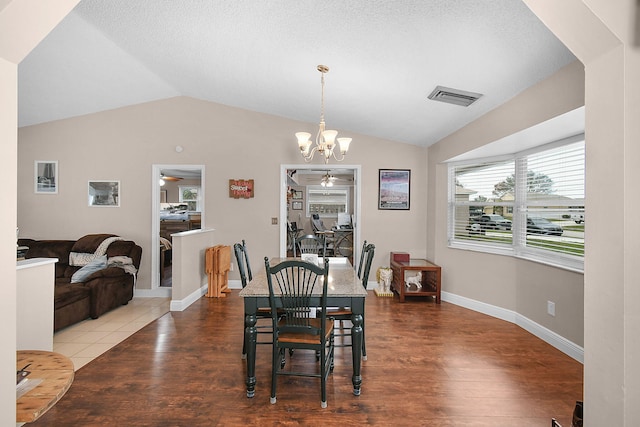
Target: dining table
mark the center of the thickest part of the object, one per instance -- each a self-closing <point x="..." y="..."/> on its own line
<point x="344" y="290"/>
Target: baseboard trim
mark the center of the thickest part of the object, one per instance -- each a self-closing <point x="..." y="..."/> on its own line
<point x="181" y="305"/>
<point x="564" y="345"/>
<point x="153" y="293"/>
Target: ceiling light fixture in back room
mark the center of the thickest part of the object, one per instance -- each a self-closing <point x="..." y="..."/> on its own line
<point x="325" y="139"/>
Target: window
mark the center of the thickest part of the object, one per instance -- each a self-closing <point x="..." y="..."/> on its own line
<point x="190" y="196"/>
<point x="327" y="202"/>
<point x="530" y="204"/>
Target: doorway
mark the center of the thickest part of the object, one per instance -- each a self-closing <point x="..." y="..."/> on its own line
<point x="178" y="205"/>
<point x="300" y="208"/>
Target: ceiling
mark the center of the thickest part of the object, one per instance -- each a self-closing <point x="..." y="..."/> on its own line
<point x="385" y="58"/>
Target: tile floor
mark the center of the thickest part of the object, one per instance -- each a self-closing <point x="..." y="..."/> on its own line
<point x="87" y="340"/>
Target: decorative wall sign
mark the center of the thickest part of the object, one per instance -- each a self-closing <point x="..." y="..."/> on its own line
<point x="46" y="176"/>
<point x="394" y="189"/>
<point x="104" y="193"/>
<point x="241" y="188"/>
<point x="296" y="206"/>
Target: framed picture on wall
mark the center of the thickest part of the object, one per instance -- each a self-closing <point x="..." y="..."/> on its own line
<point x="104" y="193"/>
<point x="394" y="187"/>
<point x="296" y="206"/>
<point x="46" y="176"/>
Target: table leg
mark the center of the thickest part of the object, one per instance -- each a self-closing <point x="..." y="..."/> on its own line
<point x="356" y="351"/>
<point x="250" y="337"/>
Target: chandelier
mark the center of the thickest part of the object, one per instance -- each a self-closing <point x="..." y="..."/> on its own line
<point x="325" y="139"/>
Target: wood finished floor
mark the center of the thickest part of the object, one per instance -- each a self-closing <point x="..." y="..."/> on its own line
<point x="428" y="365"/>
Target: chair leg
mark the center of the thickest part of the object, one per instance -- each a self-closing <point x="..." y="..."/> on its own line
<point x="275" y="360"/>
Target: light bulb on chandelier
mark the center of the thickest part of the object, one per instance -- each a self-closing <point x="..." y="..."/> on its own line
<point x="325" y="139"/>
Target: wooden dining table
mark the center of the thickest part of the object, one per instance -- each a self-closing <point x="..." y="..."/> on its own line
<point x="344" y="290"/>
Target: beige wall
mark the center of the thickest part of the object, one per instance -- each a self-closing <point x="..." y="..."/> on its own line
<point x="123" y="144"/>
<point x="612" y="320"/>
<point x="503" y="281"/>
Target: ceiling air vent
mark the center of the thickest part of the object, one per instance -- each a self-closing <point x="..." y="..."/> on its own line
<point x="454" y="96"/>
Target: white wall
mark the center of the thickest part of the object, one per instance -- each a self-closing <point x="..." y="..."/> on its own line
<point x="23" y="23"/>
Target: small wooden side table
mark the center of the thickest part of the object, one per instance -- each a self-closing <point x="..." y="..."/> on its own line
<point x="429" y="282"/>
<point x="55" y="371"/>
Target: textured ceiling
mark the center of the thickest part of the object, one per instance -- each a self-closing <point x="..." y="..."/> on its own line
<point x="385" y="58"/>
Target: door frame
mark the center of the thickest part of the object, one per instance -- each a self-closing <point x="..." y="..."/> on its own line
<point x="155" y="214"/>
<point x="357" y="202"/>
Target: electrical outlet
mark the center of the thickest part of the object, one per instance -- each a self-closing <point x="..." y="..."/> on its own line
<point x="551" y="308"/>
<point x="274" y="221"/>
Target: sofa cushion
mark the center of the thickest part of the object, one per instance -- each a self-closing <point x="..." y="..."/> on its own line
<point x="97" y="264"/>
<point x="67" y="293"/>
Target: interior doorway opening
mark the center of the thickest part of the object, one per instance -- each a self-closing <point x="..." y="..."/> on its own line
<point x="178" y="205"/>
<point x="321" y="199"/>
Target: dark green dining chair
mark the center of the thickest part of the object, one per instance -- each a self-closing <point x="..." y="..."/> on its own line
<point x="291" y="286"/>
<point x="244" y="269"/>
<point x="342" y="314"/>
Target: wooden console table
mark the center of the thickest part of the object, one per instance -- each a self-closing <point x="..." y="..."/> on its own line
<point x="429" y="283"/>
<point x="56" y="373"/>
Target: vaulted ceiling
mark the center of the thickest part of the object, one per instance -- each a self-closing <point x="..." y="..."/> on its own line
<point x="385" y="58"/>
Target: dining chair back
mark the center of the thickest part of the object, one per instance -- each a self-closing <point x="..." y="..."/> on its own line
<point x="242" y="259"/>
<point x="292" y="283"/>
<point x="342" y="314"/>
<point x="309" y="244"/>
<point x="362" y="257"/>
<point x="244" y="269"/>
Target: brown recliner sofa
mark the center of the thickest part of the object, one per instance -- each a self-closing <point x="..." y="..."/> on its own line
<point x="98" y="293"/>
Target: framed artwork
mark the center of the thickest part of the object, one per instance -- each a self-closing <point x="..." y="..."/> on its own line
<point x="394" y="189"/>
<point x="104" y="193"/>
<point x="297" y="194"/>
<point x="296" y="206"/>
<point x="46" y="176"/>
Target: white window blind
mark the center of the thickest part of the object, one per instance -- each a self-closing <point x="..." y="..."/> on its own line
<point x="477" y="207"/>
<point x="529" y="205"/>
<point x="327" y="203"/>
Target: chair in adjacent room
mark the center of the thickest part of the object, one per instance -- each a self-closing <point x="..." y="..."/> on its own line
<point x="309" y="244"/>
<point x="342" y="314"/>
<point x="320" y="230"/>
<point x="291" y="286"/>
<point x="244" y="268"/>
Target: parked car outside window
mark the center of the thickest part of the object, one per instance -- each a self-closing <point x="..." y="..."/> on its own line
<point x="491" y="222"/>
<point x="538" y="225"/>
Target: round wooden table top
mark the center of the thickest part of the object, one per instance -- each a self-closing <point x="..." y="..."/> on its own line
<point x="56" y="372"/>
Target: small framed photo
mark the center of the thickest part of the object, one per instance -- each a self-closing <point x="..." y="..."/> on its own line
<point x="297" y="194"/>
<point x="104" y="193"/>
<point x="46" y="176"/>
<point x="296" y="206"/>
<point x="394" y="187"/>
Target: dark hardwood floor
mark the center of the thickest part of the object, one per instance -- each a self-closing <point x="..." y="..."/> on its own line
<point x="428" y="365"/>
